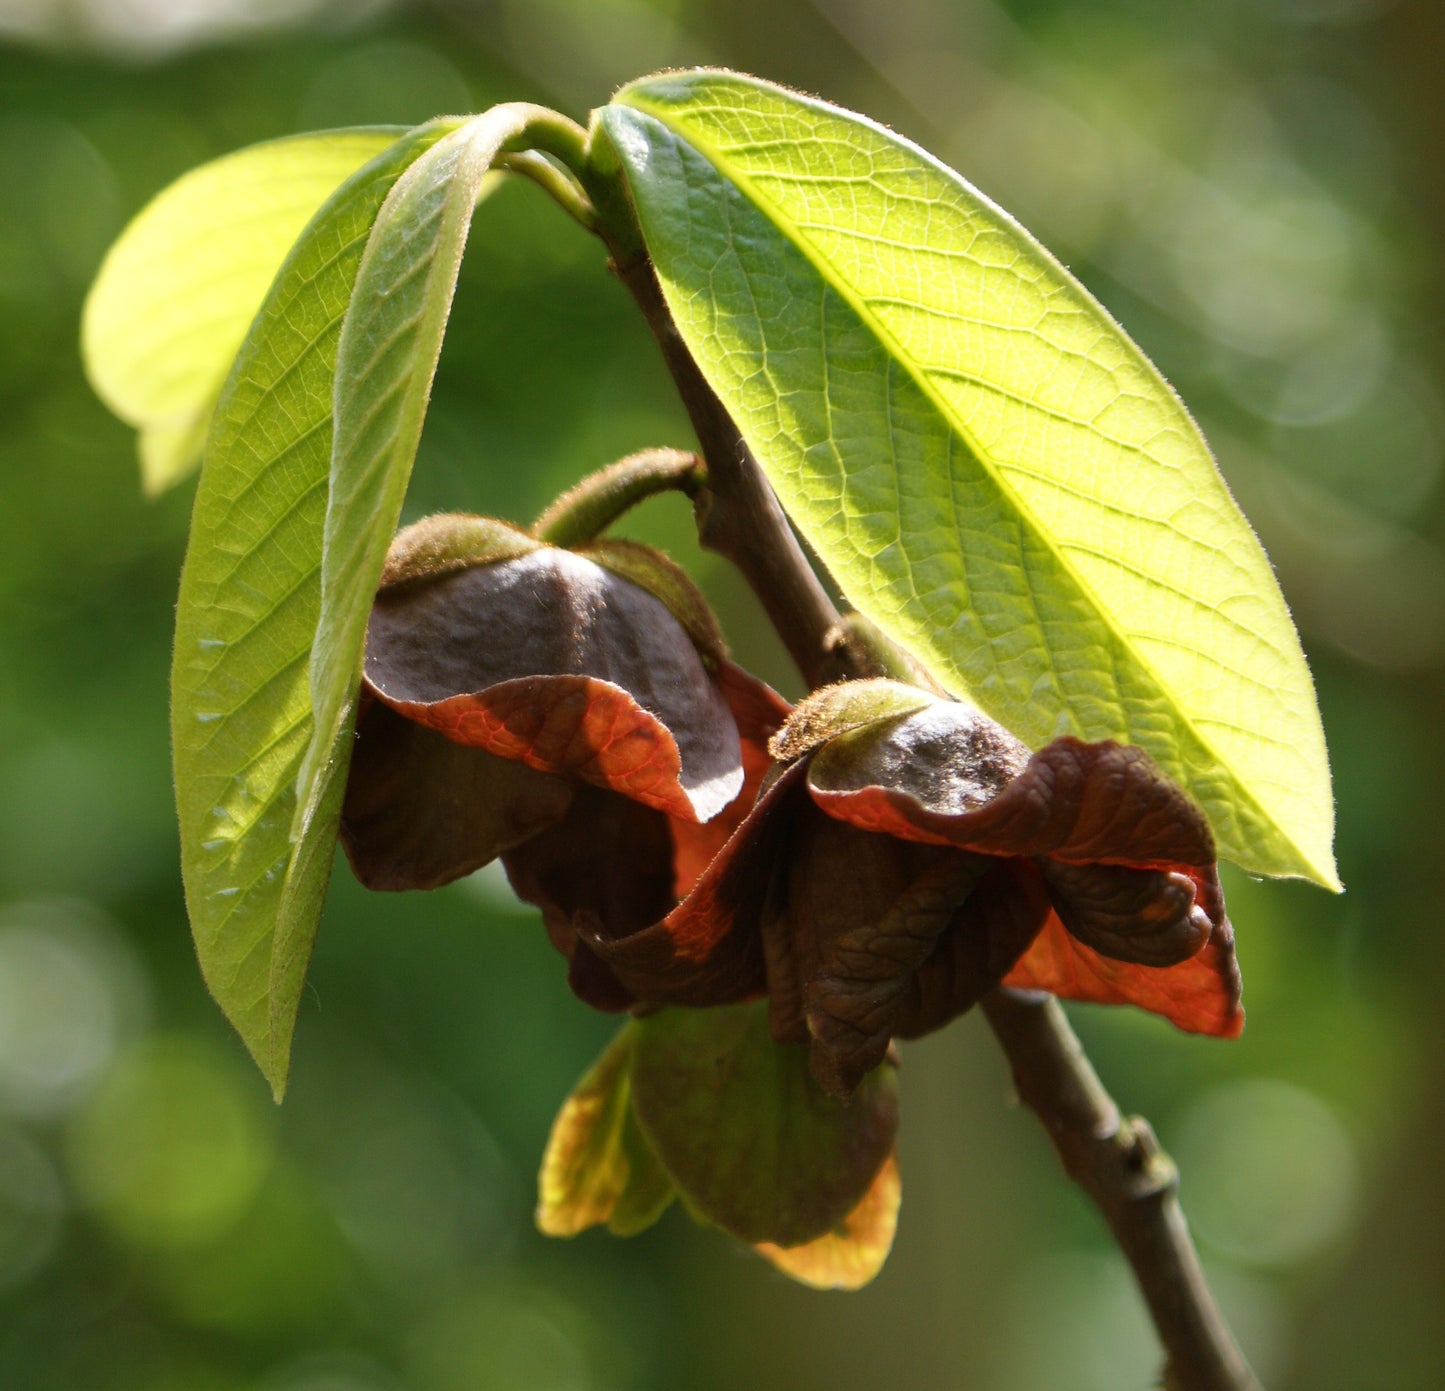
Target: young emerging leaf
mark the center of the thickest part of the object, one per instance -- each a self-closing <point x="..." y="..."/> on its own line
<point x="851" y="1255"/>
<point x="751" y="1141"/>
<point x="991" y="469"/>
<point x="598" y="1167"/>
<point x="178" y="290"/>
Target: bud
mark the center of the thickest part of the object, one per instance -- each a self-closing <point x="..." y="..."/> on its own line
<point x="913" y="855"/>
<point x="532" y="703"/>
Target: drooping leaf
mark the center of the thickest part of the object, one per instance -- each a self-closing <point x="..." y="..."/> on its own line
<point x="752" y="1142"/>
<point x="597" y="1167"/>
<point x="249" y="600"/>
<point x="387" y="357"/>
<point x="178" y="290"/>
<point x="950" y="776"/>
<point x="991" y="469"/>
<point x="602" y="872"/>
<point x="850" y="1256"/>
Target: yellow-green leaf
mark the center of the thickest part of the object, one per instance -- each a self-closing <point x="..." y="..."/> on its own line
<point x="178" y="290"/>
<point x="245" y="622"/>
<point x="598" y="1168"/>
<point x="994" y="473"/>
<point x="848" y="1257"/>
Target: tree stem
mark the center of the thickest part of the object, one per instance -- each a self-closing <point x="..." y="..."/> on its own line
<point x="583" y="513"/>
<point x="737" y="514"/>
<point x="1116" y="1161"/>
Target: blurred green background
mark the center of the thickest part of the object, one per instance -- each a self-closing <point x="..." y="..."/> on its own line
<point x="1252" y="187"/>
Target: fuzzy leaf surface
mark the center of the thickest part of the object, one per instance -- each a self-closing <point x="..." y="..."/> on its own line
<point x="249" y="603"/>
<point x="173" y="300"/>
<point x="994" y="473"/>
<point x="390" y="342"/>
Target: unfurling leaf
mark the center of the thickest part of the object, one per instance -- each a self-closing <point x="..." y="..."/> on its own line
<point x="752" y="1142"/>
<point x="994" y="473"/>
<point x="598" y="1168"/>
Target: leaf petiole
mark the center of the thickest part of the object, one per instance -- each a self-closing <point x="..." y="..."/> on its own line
<point x="583" y="513"/>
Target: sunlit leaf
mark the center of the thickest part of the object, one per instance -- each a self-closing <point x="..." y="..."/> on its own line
<point x="598" y="1167"/>
<point x="178" y="290"/>
<point x="991" y="469"/>
<point x="250" y="596"/>
<point x="388" y="353"/>
<point x="850" y="1256"/>
<point x="752" y="1142"/>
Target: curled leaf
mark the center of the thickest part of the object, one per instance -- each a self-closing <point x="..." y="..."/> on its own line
<point x="1200" y="995"/>
<point x="548" y="658"/>
<point x="420" y="812"/>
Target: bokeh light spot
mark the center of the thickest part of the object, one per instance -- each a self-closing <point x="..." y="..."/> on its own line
<point x="502" y="1336"/>
<point x="403" y="83"/>
<point x="32" y="1207"/>
<point x="70" y="992"/>
<point x="1078" y="1322"/>
<point x="173" y="1145"/>
<point x="1270" y="1174"/>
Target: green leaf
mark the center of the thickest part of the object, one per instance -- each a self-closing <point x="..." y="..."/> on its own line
<point x="598" y="1167"/>
<point x="178" y="290"/>
<point x="991" y="469"/>
<point x="388" y="353"/>
<point x="249" y="602"/>
<point x="751" y="1140"/>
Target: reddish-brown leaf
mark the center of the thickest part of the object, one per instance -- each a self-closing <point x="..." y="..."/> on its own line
<point x="553" y="660"/>
<point x="942" y="777"/>
<point x="758" y="711"/>
<point x="707" y="949"/>
<point x="987" y="936"/>
<point x="1148" y="916"/>
<point x="1200" y="995"/>
<point x="851" y="919"/>
<point x="600" y="874"/>
<point x="420" y="812"/>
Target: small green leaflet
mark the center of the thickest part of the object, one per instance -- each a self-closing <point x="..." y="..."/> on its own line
<point x="991" y="469"/>
<point x="178" y="290"/>
<point x="246" y="620"/>
<point x="750" y="1139"/>
<point x="598" y="1168"/>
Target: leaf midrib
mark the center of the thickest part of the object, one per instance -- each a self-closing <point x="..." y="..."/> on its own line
<point x="718" y="159"/>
